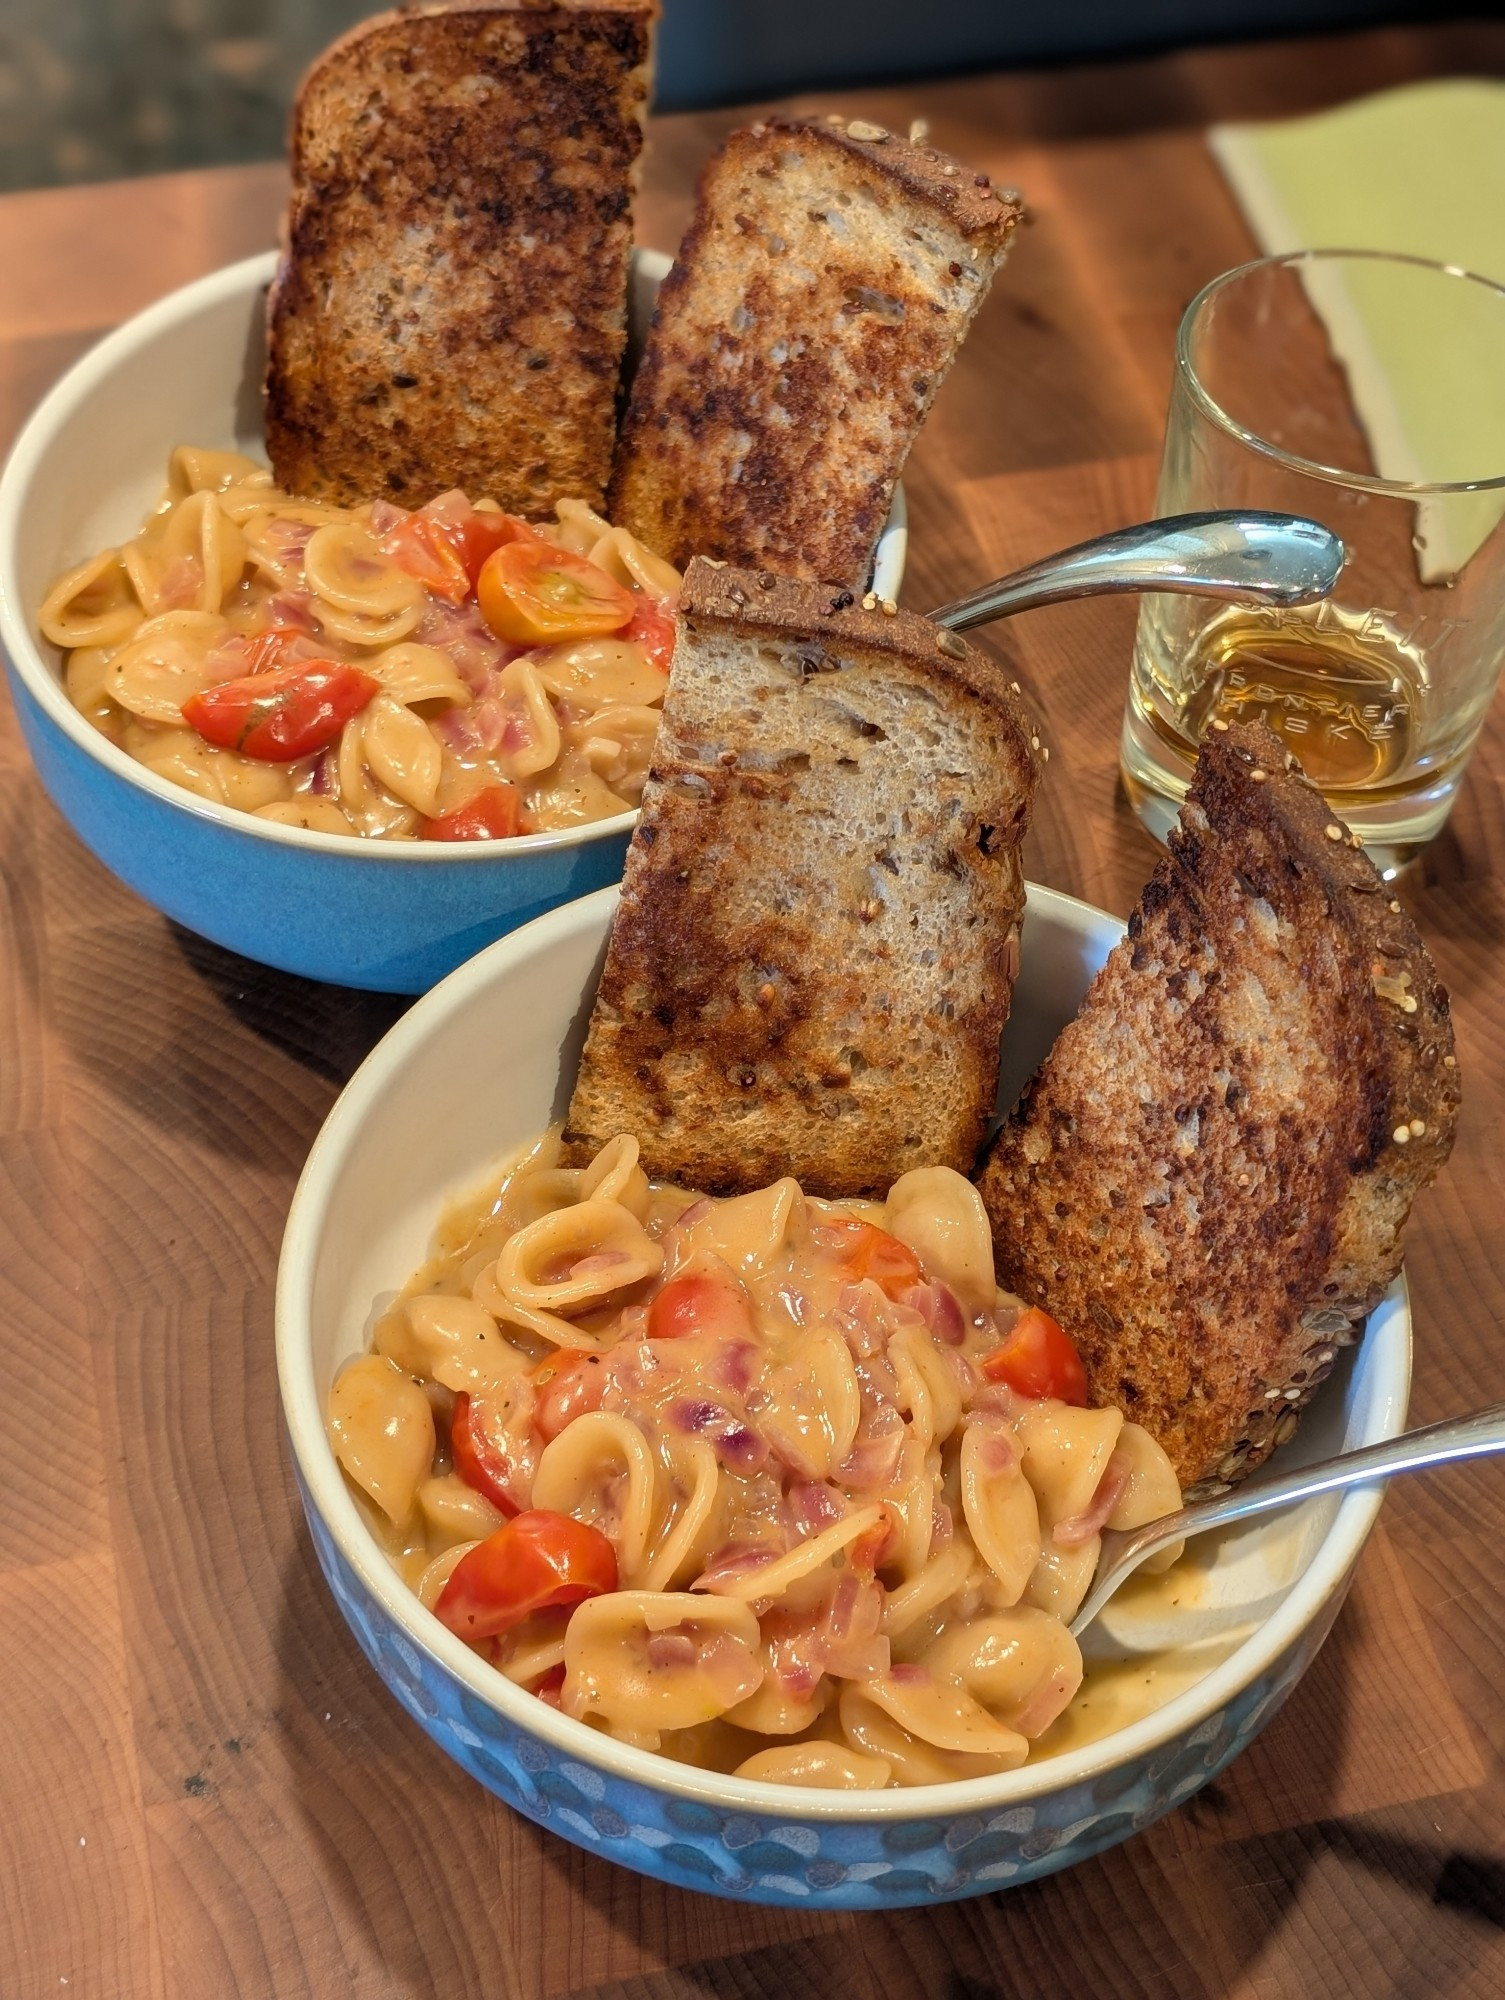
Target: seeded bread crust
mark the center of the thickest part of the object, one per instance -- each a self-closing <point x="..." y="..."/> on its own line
<point x="451" y="304"/>
<point x="1207" y="1180"/>
<point x="817" y="939"/>
<point x="828" y="278"/>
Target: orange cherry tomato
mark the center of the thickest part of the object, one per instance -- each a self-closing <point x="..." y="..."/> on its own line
<point x="1038" y="1359"/>
<point x="419" y="546"/>
<point x="566" y="1390"/>
<point x="480" y="1453"/>
<point x="652" y="627"/>
<point x="873" y="1253"/>
<point x="494" y="814"/>
<point x="700" y="1302"/>
<point x="537" y="1560"/>
<point x="533" y="594"/>
<point x="282" y="714"/>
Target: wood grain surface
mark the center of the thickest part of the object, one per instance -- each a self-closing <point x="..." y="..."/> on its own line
<point x="203" y="1789"/>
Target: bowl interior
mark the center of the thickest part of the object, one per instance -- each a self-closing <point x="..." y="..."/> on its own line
<point x="485" y="1061"/>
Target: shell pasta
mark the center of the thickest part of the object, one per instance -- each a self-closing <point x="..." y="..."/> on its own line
<point x="453" y="673"/>
<point x="742" y="1481"/>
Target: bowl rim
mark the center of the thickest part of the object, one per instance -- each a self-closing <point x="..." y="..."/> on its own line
<point x="325" y="1487"/>
<point x="20" y="645"/>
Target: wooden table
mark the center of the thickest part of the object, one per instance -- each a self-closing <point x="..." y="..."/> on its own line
<point x="204" y="1791"/>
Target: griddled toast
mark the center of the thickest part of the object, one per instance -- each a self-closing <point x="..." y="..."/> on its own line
<point x="1207" y="1180"/>
<point x="816" y="944"/>
<point x="828" y="277"/>
<point x="451" y="304"/>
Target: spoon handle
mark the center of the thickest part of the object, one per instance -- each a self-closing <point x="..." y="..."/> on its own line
<point x="1256" y="558"/>
<point x="1472" y="1436"/>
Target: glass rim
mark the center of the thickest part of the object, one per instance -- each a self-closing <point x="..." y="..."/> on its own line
<point x="1333" y="475"/>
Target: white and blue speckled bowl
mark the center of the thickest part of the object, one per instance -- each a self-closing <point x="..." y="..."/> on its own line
<point x="394" y="916"/>
<point x="485" y="1061"/>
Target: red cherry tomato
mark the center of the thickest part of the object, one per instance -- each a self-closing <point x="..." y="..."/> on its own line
<point x="566" y="1389"/>
<point x="873" y="1253"/>
<point x="700" y="1302"/>
<point x="533" y="594"/>
<point x="652" y="627"/>
<point x="286" y="713"/>
<point x="474" y="533"/>
<point x="539" y="1559"/>
<point x="1038" y="1359"/>
<point x="419" y="546"/>
<point x="480" y="1452"/>
<point x="494" y="814"/>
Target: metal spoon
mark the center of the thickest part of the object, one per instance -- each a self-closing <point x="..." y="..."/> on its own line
<point x="1124" y="1549"/>
<point x="1253" y="558"/>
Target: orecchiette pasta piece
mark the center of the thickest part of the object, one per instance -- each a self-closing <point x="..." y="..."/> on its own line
<point x="402" y="752"/>
<point x="597" y="673"/>
<point x="925" y="1592"/>
<point x="457" y="1511"/>
<point x="1153" y="1491"/>
<point x="412" y="673"/>
<point x="540" y="1192"/>
<point x="185" y="759"/>
<point x="192" y="469"/>
<point x="910" y="1502"/>
<point x="372" y="808"/>
<point x="347" y="570"/>
<point x="450" y="1339"/>
<point x="437" y="1573"/>
<point x="929" y="1388"/>
<point x="940" y="1215"/>
<point x="165" y="665"/>
<point x="772" y="1579"/>
<point x="614" y="1175"/>
<point x="381" y="1429"/>
<point x="830" y="1767"/>
<point x="569" y="1261"/>
<point x="617" y="743"/>
<point x="356" y="629"/>
<point x="571" y="797"/>
<point x="815" y="1404"/>
<point x="579" y="528"/>
<point x="531" y="743"/>
<point x="869" y="1728"/>
<point x="1022" y="1665"/>
<point x="648" y="1661"/>
<point x="943" y="1713"/>
<point x="85" y="679"/>
<point x="248" y="783"/>
<point x="527" y="1656"/>
<point x="314" y="815"/>
<point x="680" y="1549"/>
<point x="600" y="1470"/>
<point x="189" y="559"/>
<point x="92" y="604"/>
<point x="775" y="1710"/>
<point x="1065" y="1453"/>
<point x="1062" y="1576"/>
<point x="749" y="1231"/>
<point x="999" y="1505"/>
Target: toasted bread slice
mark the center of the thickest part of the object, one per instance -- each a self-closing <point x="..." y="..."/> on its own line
<point x="451" y="305"/>
<point x="1207" y="1179"/>
<point x="817" y="938"/>
<point x="828" y="278"/>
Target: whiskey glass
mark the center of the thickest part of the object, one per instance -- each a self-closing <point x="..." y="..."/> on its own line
<point x="1366" y="391"/>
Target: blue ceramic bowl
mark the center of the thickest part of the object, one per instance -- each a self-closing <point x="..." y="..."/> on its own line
<point x="484" y="1062"/>
<point x="393" y="916"/>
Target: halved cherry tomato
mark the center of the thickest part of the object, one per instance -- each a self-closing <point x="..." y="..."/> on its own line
<point x="652" y="628"/>
<point x="537" y="1560"/>
<point x="494" y="814"/>
<point x="1038" y="1359"/>
<point x="700" y="1302"/>
<point x="533" y="594"/>
<point x="473" y="532"/>
<point x="567" y="1388"/>
<point x="419" y="546"/>
<point x="480" y="1457"/>
<point x="286" y="713"/>
<point x="873" y="1253"/>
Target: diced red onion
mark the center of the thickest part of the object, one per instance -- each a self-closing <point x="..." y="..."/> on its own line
<point x="739" y="1448"/>
<point x="599" y="1260"/>
<point x="909" y="1673"/>
<point x="735" y="1561"/>
<point x="671" y="1649"/>
<point x="813" y="1506"/>
<point x="1047" y="1702"/>
<point x="732" y="1365"/>
<point x="1110" y="1490"/>
<point x="940" y="1309"/>
<point x="385" y="517"/>
<point x="874" y="1459"/>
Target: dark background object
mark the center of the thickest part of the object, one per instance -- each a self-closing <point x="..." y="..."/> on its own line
<point x="96" y="89"/>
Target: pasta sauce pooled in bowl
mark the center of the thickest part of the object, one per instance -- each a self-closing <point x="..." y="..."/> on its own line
<point x="454" y="673"/>
<point x="771" y="1485"/>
